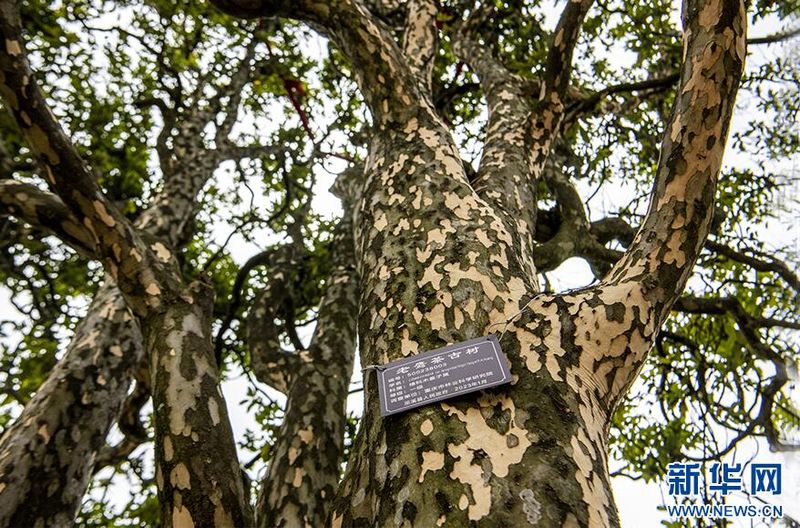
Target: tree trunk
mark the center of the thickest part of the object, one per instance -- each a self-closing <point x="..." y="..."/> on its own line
<point x="199" y="479"/>
<point x="47" y="455"/>
<point x="56" y="438"/>
<point x="304" y="466"/>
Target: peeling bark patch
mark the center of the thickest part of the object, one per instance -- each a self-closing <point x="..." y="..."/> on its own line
<point x="427" y="427"/>
<point x="13" y="47"/>
<point x="182" y="394"/>
<point x="299" y="473"/>
<point x="306" y="435"/>
<point x="496" y="445"/>
<point x="102" y="213"/>
<point x="42" y="431"/>
<point x="168" y="450"/>
<point x="213" y="411"/>
<point x="161" y="251"/>
<point x="179" y="476"/>
<point x="431" y="461"/>
<point x="471" y="475"/>
<point x="181" y="518"/>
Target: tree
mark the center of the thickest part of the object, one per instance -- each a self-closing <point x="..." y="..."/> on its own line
<point x="430" y="249"/>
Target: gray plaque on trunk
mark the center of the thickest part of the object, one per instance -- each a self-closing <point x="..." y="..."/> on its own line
<point x="441" y="374"/>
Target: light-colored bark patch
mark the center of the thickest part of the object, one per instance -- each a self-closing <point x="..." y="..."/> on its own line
<point x="299" y="473"/>
<point x="427" y="427"/>
<point x="42" y="431"/>
<point x="182" y="393"/>
<point x="168" y="449"/>
<point x="161" y="251"/>
<point x="180" y="478"/>
<point x="102" y="213"/>
<point x="181" y="518"/>
<point x="431" y="461"/>
<point x="306" y="435"/>
<point x="471" y="475"/>
<point x="484" y="438"/>
<point x="213" y="411"/>
<point x="13" y="47"/>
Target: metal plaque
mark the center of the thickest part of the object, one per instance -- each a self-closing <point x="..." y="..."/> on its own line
<point x="441" y="374"/>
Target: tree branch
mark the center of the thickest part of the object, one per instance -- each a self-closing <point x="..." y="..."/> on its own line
<point x="588" y="103"/>
<point x="545" y="121"/>
<point x="45" y="211"/>
<point x="503" y="177"/>
<point x="775" y="38"/>
<point x="270" y="363"/>
<point x="421" y="39"/>
<point x="303" y="473"/>
<point x="669" y="241"/>
<point x="175" y="317"/>
<point x="127" y="258"/>
<point x="774" y="266"/>
<point x="558" y="67"/>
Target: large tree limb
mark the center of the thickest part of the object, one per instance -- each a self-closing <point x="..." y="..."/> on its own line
<point x="545" y="121"/>
<point x="421" y="39"/>
<point x="45" y="211"/>
<point x="47" y="455"/>
<point x="669" y="241"/>
<point x="558" y="65"/>
<point x="654" y="269"/>
<point x="270" y="363"/>
<point x="127" y="258"/>
<point x="594" y="340"/>
<point x="503" y="178"/>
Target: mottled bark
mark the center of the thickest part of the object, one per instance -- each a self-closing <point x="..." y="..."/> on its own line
<point x="304" y="466"/>
<point x="439" y="264"/>
<point x="420" y="40"/>
<point x="504" y="178"/>
<point x="81" y="399"/>
<point x="45" y="211"/>
<point x="197" y="470"/>
<point x="199" y="480"/>
<point x="270" y="363"/>
<point x="46" y="456"/>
